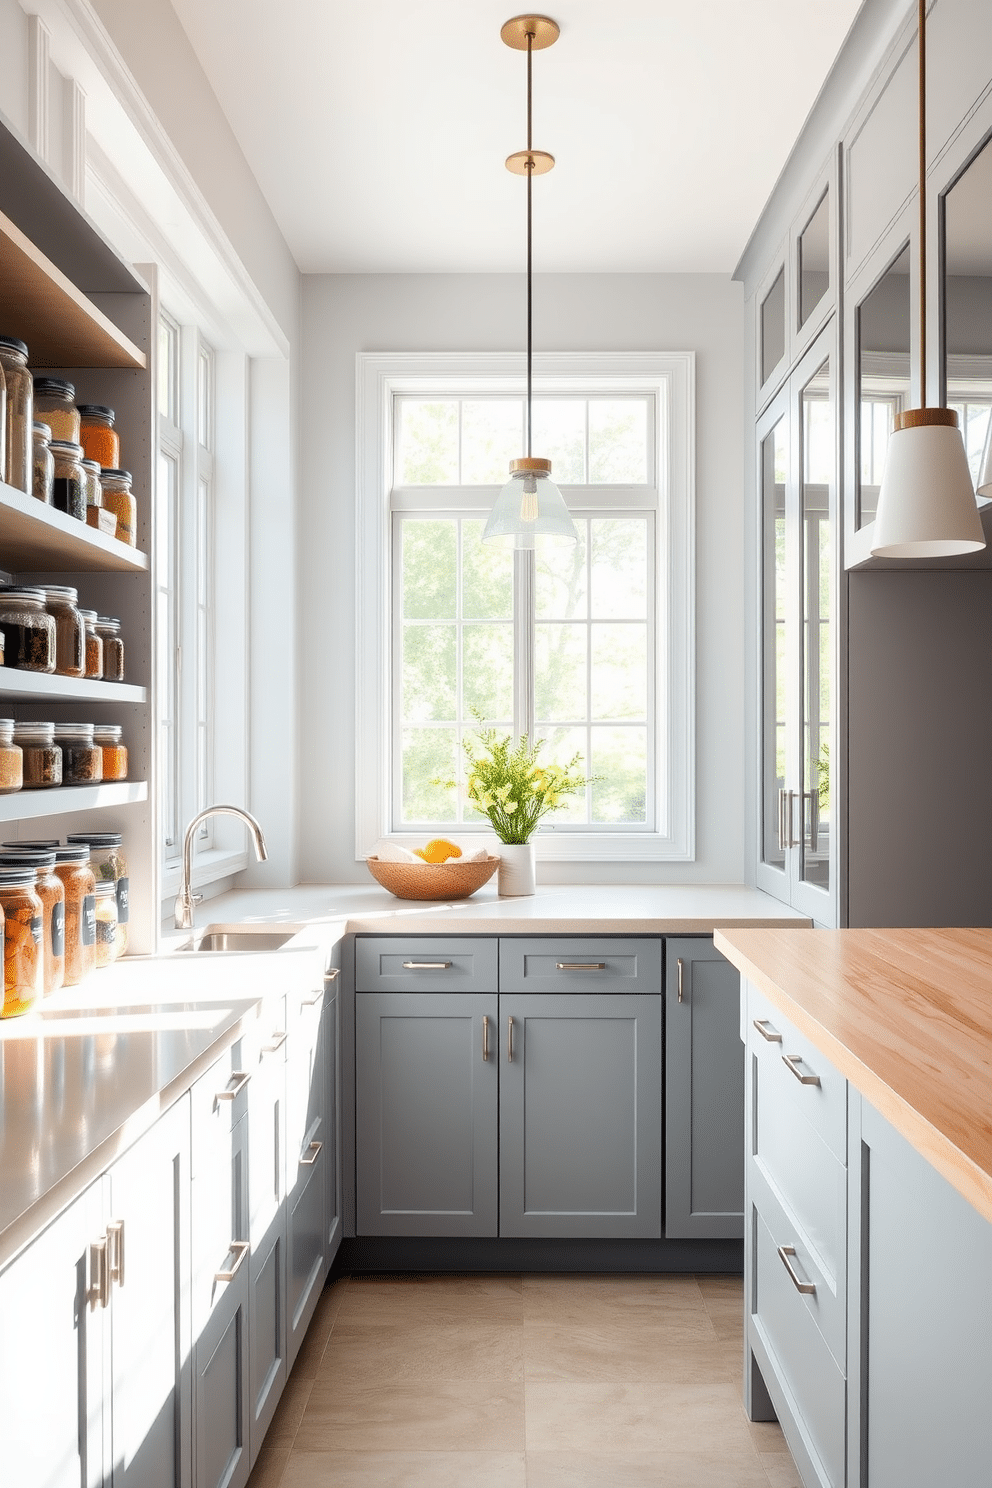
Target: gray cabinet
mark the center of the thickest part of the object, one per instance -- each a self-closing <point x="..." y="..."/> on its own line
<point x="580" y="1115"/>
<point x="704" y="1093"/>
<point x="427" y="1090"/>
<point x="309" y="1145"/>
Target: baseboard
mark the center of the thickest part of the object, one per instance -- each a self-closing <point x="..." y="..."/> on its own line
<point x="373" y="1253"/>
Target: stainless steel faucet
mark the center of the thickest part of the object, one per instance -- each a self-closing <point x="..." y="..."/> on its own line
<point x="186" y="900"/>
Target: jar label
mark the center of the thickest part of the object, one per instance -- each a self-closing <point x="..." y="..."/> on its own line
<point x="87" y="921"/>
<point x="123" y="886"/>
<point x="58" y="930"/>
<point x="69" y="496"/>
<point x="37" y="929"/>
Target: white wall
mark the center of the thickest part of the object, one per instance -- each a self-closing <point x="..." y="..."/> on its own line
<point x="345" y="314"/>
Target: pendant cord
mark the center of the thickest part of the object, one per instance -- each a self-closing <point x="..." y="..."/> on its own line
<point x="923" y="202"/>
<point x="530" y="220"/>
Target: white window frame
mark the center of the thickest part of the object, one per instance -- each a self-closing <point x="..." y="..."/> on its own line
<point x="668" y="375"/>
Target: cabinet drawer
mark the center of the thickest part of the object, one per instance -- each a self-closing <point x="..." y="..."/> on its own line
<point x="219" y="1099"/>
<point x="585" y="964"/>
<point x="388" y="963"/>
<point x="802" y="1082"/>
<point x="810" y="1376"/>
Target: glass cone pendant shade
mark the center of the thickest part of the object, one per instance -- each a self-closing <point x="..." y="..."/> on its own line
<point x="530" y="506"/>
<point x="926" y="505"/>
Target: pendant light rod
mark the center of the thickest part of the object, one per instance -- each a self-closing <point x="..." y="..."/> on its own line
<point x="922" y="29"/>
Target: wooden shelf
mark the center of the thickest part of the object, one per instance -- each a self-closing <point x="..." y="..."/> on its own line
<point x="35" y="538"/>
<point x="26" y="804"/>
<point x="61" y="326"/>
<point x="43" y="688"/>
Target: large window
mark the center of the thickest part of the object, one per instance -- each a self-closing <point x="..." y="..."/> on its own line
<point x="587" y="647"/>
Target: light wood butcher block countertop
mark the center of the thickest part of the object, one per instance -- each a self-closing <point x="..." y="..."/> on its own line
<point x="906" y="1016"/>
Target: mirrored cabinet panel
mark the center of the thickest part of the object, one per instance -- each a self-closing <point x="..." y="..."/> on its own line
<point x="882" y="329"/>
<point x="814" y="260"/>
<point x="967" y="307"/>
<point x="772" y="327"/>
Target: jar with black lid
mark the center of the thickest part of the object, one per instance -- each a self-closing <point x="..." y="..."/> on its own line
<point x="43" y="476"/>
<point x="70" y="634"/>
<point x="69" y="485"/>
<point x="28" y="629"/>
<point x="82" y="760"/>
<point x="42" y="756"/>
<point x="23" y="958"/>
<point x="109" y="631"/>
<point x="18" y="460"/>
<point x="91" y="479"/>
<point x="98" y="436"/>
<point x="11" y="759"/>
<point x="55" y="405"/>
<point x="109" y="866"/>
<point x="72" y="868"/>
<point x="51" y="892"/>
<point x="94" y="645"/>
<point x="117" y="498"/>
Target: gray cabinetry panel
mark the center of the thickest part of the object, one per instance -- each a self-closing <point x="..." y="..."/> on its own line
<point x="426" y="1125"/>
<point x="704" y="1093"/>
<point x="579" y="964"/>
<point x="309" y="1145"/>
<point x="580" y="1116"/>
<point x="387" y="963"/>
<point x="881" y="161"/>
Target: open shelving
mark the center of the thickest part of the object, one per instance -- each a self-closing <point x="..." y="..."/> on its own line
<point x="36" y="536"/>
<point x="31" y="804"/>
<point x="41" y="687"/>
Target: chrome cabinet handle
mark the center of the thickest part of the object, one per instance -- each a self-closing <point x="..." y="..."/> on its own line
<point x="806" y="1287"/>
<point x="790" y="840"/>
<point x="791" y="1060"/>
<point x="314" y="1151"/>
<point x="241" y="1248"/>
<point x="115" y="1252"/>
<point x="781" y="820"/>
<point x="240" y="1078"/>
<point x="509" y="1040"/>
<point x="680" y="970"/>
<point x="768" y="1032"/>
<point x="332" y="974"/>
<point x="99" y="1293"/>
<point x="485" y="1037"/>
<point x="580" y="965"/>
<point x="426" y="965"/>
<point x="278" y="1039"/>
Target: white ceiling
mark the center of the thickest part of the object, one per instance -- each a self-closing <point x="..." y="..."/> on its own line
<point x="378" y="129"/>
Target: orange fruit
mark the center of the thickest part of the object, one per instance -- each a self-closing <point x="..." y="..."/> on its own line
<point x="438" y="850"/>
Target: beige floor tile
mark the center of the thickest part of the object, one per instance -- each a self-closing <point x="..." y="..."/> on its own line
<point x="452" y="1349"/>
<point x="680" y="1349"/>
<point x="269" y="1467"/>
<point x="427" y="1416"/>
<point x="780" y="1470"/>
<point x="435" y="1297"/>
<point x="640" y="1470"/>
<point x="312" y="1348"/>
<point x="667" y="1418"/>
<point x="289" y="1412"/>
<point x="767" y="1436"/>
<point x="406" y="1470"/>
<point x="605" y="1299"/>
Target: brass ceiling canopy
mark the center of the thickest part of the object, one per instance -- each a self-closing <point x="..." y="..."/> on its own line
<point x="542" y="30"/>
<point x="530" y="162"/>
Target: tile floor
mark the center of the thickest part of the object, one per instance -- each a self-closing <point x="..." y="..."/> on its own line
<point x="522" y="1382"/>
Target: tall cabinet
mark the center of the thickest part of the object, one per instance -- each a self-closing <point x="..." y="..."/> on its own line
<point x="87" y="315"/>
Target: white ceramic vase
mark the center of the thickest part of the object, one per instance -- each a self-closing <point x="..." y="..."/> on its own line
<point x="516" y="869"/>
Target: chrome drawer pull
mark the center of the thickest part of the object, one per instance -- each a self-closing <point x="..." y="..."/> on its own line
<point x="580" y="965"/>
<point x="509" y="1040"/>
<point x="241" y="1248"/>
<point x="278" y="1039"/>
<point x="485" y="1038"/>
<point x="767" y="1031"/>
<point x="791" y="1060"/>
<point x="240" y="1079"/>
<point x="115" y="1251"/>
<point x="332" y="974"/>
<point x="314" y="1151"/>
<point x="681" y="972"/>
<point x="426" y="965"/>
<point x="99" y="1293"/>
<point x="806" y="1287"/>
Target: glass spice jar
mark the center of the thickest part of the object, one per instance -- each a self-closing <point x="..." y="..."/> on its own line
<point x="11" y="759"/>
<point x="109" y="631"/>
<point x="94" y="490"/>
<point x="28" y="630"/>
<point x="108" y="737"/>
<point x="82" y="760"/>
<point x="18" y="460"/>
<point x="23" y="959"/>
<point x="3" y="419"/>
<point x="43" y="475"/>
<point x="70" y="634"/>
<point x="117" y="498"/>
<point x="97" y="435"/>
<point x="69" y="484"/>
<point x="51" y="892"/>
<point x="109" y="866"/>
<point x="72" y="867"/>
<point x="94" y="645"/>
<point x="55" y="405"/>
<point x="42" y="756"/>
<point x="108" y="945"/>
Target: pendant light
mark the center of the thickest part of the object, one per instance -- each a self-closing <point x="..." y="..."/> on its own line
<point x="926" y="504"/>
<point x="530" y="505"/>
<point x="984" y="487"/>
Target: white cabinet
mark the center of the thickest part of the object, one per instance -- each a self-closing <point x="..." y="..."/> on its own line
<point x="268" y="1370"/>
<point x="309" y="1167"/>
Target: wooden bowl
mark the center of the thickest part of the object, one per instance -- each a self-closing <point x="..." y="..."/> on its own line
<point x="451" y="880"/>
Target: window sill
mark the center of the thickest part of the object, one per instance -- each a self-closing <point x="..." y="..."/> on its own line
<point x="562" y="846"/>
<point x="208" y="868"/>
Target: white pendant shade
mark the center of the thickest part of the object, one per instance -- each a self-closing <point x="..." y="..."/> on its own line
<point x="926" y="505"/>
<point x="530" y="506"/>
<point x="984" y="487"/>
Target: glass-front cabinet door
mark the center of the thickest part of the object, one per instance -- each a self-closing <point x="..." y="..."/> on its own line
<point x="797" y="452"/>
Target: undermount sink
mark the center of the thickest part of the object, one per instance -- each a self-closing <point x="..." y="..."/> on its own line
<point x="240" y="938"/>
